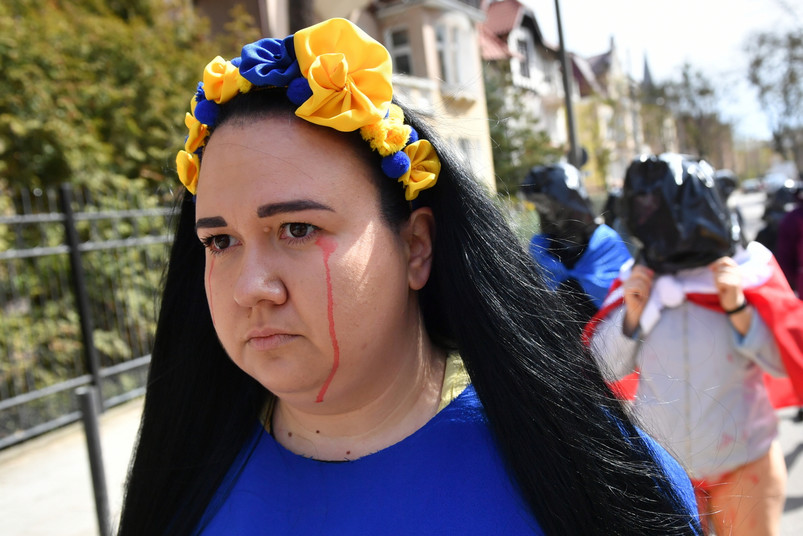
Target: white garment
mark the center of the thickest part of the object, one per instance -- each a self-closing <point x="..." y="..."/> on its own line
<point x="701" y="392"/>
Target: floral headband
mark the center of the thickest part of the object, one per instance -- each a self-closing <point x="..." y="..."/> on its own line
<point x="338" y="76"/>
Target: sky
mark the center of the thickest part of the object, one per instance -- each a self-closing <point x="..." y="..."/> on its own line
<point x="708" y="34"/>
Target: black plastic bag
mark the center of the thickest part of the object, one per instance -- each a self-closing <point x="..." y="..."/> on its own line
<point x="672" y="208"/>
<point x="562" y="203"/>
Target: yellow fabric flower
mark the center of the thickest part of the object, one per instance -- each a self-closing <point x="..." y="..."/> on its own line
<point x="198" y="133"/>
<point x="390" y="135"/>
<point x="424" y="168"/>
<point x="221" y="80"/>
<point x="242" y="84"/>
<point x="349" y="74"/>
<point x="395" y="114"/>
<point x="188" y="165"/>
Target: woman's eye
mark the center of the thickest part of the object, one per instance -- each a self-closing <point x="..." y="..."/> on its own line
<point x="221" y="241"/>
<point x="218" y="243"/>
<point x="298" y="231"/>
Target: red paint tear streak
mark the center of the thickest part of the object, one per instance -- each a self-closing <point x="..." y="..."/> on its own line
<point x="328" y="246"/>
<point x="209" y="288"/>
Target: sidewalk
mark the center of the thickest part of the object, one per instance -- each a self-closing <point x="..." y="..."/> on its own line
<point x="46" y="486"/>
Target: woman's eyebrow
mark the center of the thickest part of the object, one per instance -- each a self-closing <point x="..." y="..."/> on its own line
<point x="215" y="221"/>
<point x="290" y="206"/>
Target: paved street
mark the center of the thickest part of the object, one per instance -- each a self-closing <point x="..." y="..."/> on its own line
<point x="752" y="208"/>
<point x="792" y="442"/>
<point x="46" y="488"/>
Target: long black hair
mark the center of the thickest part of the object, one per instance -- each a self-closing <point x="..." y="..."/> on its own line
<point x="570" y="447"/>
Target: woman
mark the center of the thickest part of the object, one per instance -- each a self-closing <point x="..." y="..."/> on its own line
<point x="305" y="376"/>
<point x="702" y="319"/>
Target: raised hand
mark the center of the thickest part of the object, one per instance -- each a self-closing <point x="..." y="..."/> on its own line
<point x="728" y="281"/>
<point x="636" y="290"/>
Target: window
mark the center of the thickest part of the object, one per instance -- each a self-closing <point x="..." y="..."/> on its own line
<point x="400" y="51"/>
<point x="440" y="36"/>
<point x="524" y="61"/>
<point x="452" y="54"/>
<point x="466" y="147"/>
<point x="527" y="66"/>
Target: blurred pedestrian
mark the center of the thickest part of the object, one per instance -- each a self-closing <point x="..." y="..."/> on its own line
<point x="789" y="246"/>
<point x="611" y="213"/>
<point x="612" y="216"/>
<point x="352" y="339"/>
<point x="701" y="318"/>
<point x="778" y="204"/>
<point x="581" y="257"/>
<point x="789" y="252"/>
<point x="726" y="183"/>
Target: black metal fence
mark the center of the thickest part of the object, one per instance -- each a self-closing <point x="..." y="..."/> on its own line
<point x="79" y="280"/>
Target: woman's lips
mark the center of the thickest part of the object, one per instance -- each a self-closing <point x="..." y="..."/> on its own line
<point x="269" y="341"/>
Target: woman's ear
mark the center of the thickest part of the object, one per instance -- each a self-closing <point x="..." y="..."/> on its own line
<point x="418" y="235"/>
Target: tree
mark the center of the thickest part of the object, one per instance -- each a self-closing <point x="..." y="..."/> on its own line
<point x="94" y="91"/>
<point x="589" y="112"/>
<point x="517" y="143"/>
<point x="775" y="70"/>
<point x="656" y="118"/>
<point x="694" y="102"/>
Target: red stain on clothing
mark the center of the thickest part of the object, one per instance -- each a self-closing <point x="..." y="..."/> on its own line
<point x="328" y="247"/>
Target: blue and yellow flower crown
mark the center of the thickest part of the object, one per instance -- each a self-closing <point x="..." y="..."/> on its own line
<point x="338" y="76"/>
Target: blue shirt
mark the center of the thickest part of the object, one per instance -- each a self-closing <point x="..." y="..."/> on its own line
<point x="446" y="478"/>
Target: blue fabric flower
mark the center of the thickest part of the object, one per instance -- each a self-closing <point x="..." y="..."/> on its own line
<point x="298" y="91"/>
<point x="206" y="112"/>
<point x="199" y="92"/>
<point x="270" y="62"/>
<point x="395" y="165"/>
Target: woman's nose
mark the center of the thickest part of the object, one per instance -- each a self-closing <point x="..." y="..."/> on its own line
<point x="259" y="281"/>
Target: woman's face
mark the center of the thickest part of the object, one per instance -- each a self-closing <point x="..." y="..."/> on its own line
<point x="310" y="291"/>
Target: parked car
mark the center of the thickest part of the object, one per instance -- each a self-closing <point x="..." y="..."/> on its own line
<point x="775" y="181"/>
<point x="749" y="186"/>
